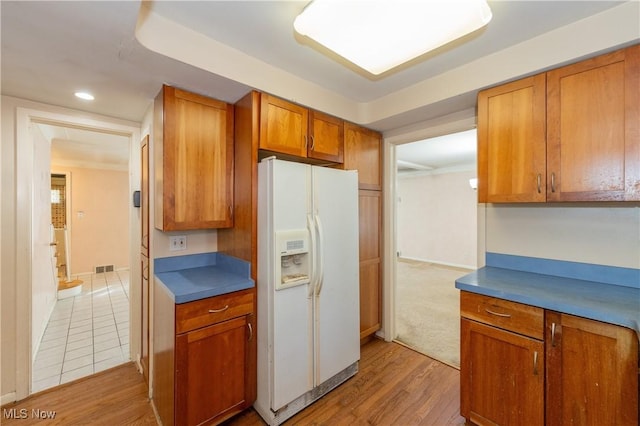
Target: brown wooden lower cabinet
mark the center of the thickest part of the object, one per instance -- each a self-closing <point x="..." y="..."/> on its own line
<point x="501" y="370"/>
<point x="504" y="376"/>
<point x="204" y="353"/>
<point x="144" y="356"/>
<point x="592" y="373"/>
<point x="574" y="372"/>
<point x="210" y="371"/>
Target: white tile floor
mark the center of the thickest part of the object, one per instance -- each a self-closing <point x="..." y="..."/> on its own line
<point x="87" y="333"/>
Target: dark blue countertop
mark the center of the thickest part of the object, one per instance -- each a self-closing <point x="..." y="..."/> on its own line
<point x="198" y="276"/>
<point x="616" y="301"/>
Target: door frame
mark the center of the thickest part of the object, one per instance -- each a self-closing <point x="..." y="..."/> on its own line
<point x="456" y="122"/>
<point x="25" y="117"/>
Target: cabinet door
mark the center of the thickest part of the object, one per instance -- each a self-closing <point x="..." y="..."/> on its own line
<point x="502" y="376"/>
<point x="145" y="317"/>
<point x="197" y="162"/>
<point x="593" y="133"/>
<point x="283" y="126"/>
<point x="326" y="137"/>
<point x="511" y="142"/>
<point x="210" y="372"/>
<point x="144" y="255"/>
<point x="363" y="152"/>
<point x="144" y="196"/>
<point x="370" y="220"/>
<point x="592" y="372"/>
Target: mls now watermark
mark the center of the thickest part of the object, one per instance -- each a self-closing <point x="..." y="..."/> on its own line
<point x="23" y="413"/>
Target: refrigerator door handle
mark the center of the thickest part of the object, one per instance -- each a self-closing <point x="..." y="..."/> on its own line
<point x="319" y="260"/>
<point x="312" y="267"/>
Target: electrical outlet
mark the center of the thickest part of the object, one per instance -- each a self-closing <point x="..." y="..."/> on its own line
<point x="177" y="242"/>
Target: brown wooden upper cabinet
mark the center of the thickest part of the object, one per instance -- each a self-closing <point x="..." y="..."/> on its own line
<point x="511" y="142"/>
<point x="292" y="129"/>
<point x="571" y="134"/>
<point x="193" y="157"/>
<point x="363" y="152"/>
<point x="593" y="129"/>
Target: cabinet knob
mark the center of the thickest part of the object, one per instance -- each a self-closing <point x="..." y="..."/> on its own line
<point x="553" y="182"/>
<point x="250" y="331"/>
<point x="539" y="179"/>
<point x="535" y="363"/>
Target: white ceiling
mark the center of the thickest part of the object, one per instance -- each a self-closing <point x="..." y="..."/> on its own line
<point x="442" y="154"/>
<point x="74" y="147"/>
<point x="123" y="54"/>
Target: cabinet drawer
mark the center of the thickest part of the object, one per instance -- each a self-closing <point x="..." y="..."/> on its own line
<point x="201" y="313"/>
<point x="512" y="316"/>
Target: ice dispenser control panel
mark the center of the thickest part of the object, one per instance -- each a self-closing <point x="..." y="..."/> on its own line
<point x="292" y="258"/>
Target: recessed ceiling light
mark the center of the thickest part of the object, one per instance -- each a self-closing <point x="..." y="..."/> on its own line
<point x="378" y="35"/>
<point x="84" y="95"/>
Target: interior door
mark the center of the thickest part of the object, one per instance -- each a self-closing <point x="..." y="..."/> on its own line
<point x="144" y="254"/>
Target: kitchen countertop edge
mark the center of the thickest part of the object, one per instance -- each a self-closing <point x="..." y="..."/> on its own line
<point x="593" y="300"/>
<point x="195" y="277"/>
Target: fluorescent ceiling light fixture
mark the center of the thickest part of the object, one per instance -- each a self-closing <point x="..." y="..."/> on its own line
<point x="84" y="95"/>
<point x="378" y="35"/>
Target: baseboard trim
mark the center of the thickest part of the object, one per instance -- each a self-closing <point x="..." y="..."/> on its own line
<point x="437" y="262"/>
<point x="457" y="367"/>
<point x="8" y="398"/>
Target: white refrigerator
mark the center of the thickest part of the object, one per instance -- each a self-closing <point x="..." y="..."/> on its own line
<point x="308" y="285"/>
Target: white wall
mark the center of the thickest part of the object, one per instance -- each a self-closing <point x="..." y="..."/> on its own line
<point x="437" y="218"/>
<point x="606" y="234"/>
<point x="99" y="220"/>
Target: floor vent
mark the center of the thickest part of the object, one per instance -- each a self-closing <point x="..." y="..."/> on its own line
<point x="99" y="269"/>
<point x="108" y="268"/>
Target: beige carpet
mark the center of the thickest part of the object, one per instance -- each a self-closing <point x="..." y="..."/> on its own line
<point x="428" y="309"/>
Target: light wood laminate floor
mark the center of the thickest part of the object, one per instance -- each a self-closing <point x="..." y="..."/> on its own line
<point x="395" y="386"/>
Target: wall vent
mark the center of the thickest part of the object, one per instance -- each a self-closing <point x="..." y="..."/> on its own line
<point x="105" y="268"/>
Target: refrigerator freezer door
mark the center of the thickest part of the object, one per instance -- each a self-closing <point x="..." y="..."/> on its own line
<point x="337" y="316"/>
<point x="291" y="354"/>
<point x="292" y="359"/>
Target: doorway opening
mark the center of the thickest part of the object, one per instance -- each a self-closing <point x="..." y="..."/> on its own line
<point x="60" y="197"/>
<point x="88" y="328"/>
<point x="436" y="238"/>
<point x="34" y="164"/>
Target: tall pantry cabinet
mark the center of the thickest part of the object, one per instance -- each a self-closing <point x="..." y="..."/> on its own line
<point x="363" y="152"/>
